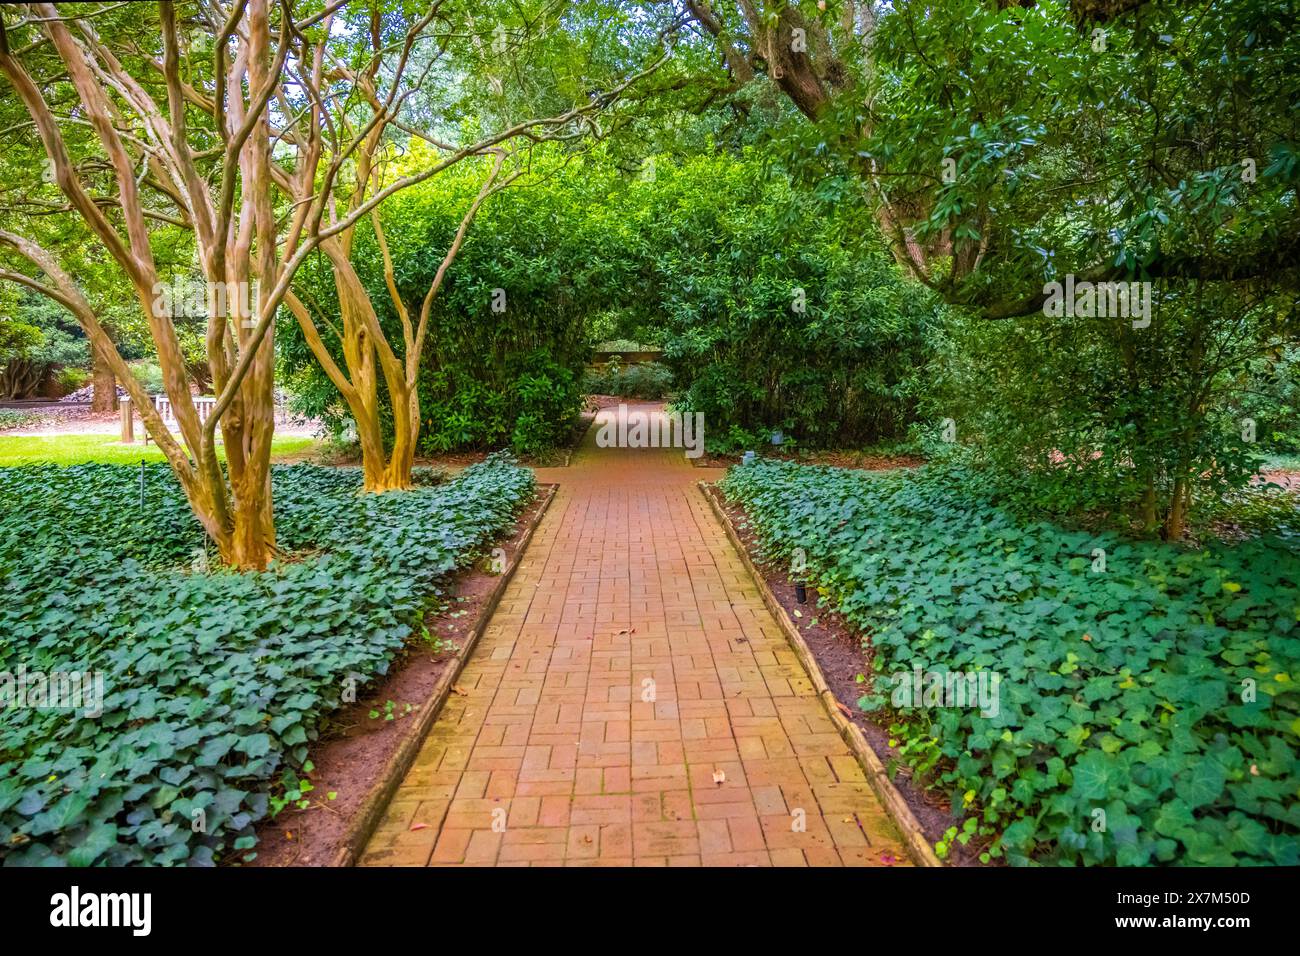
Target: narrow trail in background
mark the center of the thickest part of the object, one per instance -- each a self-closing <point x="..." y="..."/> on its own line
<point x="551" y="753"/>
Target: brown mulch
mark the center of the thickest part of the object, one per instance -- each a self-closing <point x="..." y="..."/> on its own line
<point x="840" y="651"/>
<point x="355" y="748"/>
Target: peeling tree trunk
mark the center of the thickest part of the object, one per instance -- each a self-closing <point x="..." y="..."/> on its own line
<point x="233" y="250"/>
<point x="104" y="386"/>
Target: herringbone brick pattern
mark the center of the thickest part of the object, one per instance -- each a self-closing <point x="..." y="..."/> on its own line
<point x="633" y="702"/>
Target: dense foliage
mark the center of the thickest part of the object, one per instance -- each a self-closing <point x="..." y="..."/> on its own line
<point x="215" y="683"/>
<point x="781" y="312"/>
<point x="1157" y="687"/>
<point x="774" y="310"/>
<point x="1004" y="146"/>
<point x="490" y="376"/>
<point x="1158" y="147"/>
<point x="645" y="380"/>
<point x="38" y="339"/>
<point x="1138" y="423"/>
<point x="1270" y="401"/>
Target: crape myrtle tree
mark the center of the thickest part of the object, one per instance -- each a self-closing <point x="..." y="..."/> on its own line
<point x="1010" y="145"/>
<point x="497" y="45"/>
<point x="240" y="125"/>
<point x="183" y="138"/>
<point x="505" y="342"/>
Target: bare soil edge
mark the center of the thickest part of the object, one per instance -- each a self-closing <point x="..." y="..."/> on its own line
<point x="914" y="835"/>
<point x="381" y="760"/>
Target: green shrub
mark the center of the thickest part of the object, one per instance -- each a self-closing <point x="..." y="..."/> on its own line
<point x="1125" y="691"/>
<point x="649" y="380"/>
<point x="216" y="683"/>
<point x="774" y="308"/>
<point x="548" y="398"/>
<point x="779" y="310"/>
<point x="1270" y="399"/>
<point x="70" y="379"/>
<point x="532" y="409"/>
<point x="149" y="375"/>
<point x="35" y="342"/>
<point x="1093" y="415"/>
<point x="487" y="379"/>
<point x="736" y="440"/>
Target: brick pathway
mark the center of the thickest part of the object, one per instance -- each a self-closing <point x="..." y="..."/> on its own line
<point x="632" y="701"/>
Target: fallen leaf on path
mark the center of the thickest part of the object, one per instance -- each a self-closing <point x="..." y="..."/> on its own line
<point x="844" y="709"/>
<point x="419" y="826"/>
<point x="457" y="689"/>
<point x="888" y="858"/>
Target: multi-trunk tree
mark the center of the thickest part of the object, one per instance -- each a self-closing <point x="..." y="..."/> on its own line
<point x="237" y="124"/>
<point x="376" y="375"/>
<point x="180" y="147"/>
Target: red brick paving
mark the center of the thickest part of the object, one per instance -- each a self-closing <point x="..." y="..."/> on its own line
<point x="633" y="702"/>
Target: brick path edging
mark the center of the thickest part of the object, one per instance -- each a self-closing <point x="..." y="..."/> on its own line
<point x="372" y="808"/>
<point x="918" y="846"/>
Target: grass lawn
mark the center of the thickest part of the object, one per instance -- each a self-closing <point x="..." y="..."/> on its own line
<point x="81" y="449"/>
